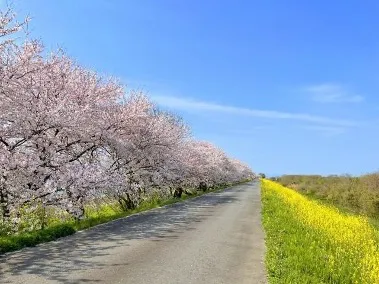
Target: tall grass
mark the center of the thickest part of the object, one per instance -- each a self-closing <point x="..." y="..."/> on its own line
<point x="308" y="242"/>
<point x="355" y="194"/>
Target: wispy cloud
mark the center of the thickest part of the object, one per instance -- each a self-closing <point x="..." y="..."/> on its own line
<point x="326" y="130"/>
<point x="196" y="105"/>
<point x="332" y="93"/>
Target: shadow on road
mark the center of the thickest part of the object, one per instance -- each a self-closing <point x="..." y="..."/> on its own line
<point x="81" y="251"/>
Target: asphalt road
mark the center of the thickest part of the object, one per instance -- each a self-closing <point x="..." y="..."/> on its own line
<point x="216" y="238"/>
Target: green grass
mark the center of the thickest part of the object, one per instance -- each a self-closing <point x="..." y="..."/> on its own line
<point x="289" y="254"/>
<point x="299" y="253"/>
<point x="16" y="242"/>
<point x="94" y="216"/>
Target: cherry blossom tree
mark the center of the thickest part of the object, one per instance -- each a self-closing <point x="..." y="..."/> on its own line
<point x="69" y="135"/>
<point x="52" y="115"/>
<point x="141" y="147"/>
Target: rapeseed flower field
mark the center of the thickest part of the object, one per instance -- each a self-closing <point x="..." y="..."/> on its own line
<point x="308" y="242"/>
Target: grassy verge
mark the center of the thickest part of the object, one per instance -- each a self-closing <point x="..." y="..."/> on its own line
<point x="308" y="242"/>
<point x="355" y="194"/>
<point x="374" y="220"/>
<point x="351" y="195"/>
<point x="105" y="214"/>
<point x="16" y="242"/>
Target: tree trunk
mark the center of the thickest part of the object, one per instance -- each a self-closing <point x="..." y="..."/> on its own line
<point x="126" y="202"/>
<point x="178" y="192"/>
<point x="4" y="205"/>
<point x="43" y="217"/>
<point x="203" y="186"/>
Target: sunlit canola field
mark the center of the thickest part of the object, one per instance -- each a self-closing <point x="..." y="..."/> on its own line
<point x="308" y="242"/>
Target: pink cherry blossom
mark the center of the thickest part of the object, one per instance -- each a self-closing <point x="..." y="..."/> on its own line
<point x="68" y="135"/>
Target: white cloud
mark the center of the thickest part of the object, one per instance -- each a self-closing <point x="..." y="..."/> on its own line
<point x="332" y="93"/>
<point x="189" y="104"/>
<point x="326" y="130"/>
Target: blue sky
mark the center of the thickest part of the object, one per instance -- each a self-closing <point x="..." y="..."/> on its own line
<point x="287" y="86"/>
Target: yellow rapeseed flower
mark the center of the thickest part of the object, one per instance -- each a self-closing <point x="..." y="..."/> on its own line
<point x="348" y="238"/>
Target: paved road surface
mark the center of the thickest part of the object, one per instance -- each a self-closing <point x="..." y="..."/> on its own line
<point x="216" y="238"/>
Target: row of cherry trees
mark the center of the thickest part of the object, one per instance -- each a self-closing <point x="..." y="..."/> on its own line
<point x="68" y="135"/>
